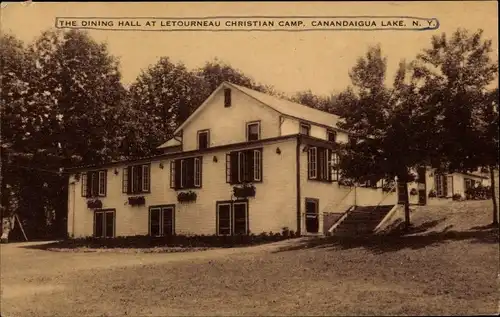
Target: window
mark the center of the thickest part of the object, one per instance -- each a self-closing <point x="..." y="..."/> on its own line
<point x="136" y="179"/>
<point x="186" y="173"/>
<point x="331" y="136"/>
<point x="203" y="139"/>
<point x="322" y="164"/>
<point x="305" y="128"/>
<point x="232" y="218"/>
<point x="94" y="183"/>
<point x="161" y="221"/>
<point x="104" y="223"/>
<point x="440" y="185"/>
<point x="253" y="131"/>
<point x="244" y="166"/>
<point x="469" y="183"/>
<point x="227" y="97"/>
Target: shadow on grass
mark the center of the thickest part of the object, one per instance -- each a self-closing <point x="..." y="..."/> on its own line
<point x="398" y="239"/>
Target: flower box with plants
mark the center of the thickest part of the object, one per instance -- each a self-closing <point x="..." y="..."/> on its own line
<point x="432" y="193"/>
<point x="244" y="191"/>
<point x="389" y="188"/>
<point x="185" y="197"/>
<point x="413" y="192"/>
<point x="137" y="201"/>
<point x="94" y="204"/>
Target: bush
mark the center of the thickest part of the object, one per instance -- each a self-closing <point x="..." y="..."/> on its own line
<point x="185" y="241"/>
<point x="432" y="193"/>
<point x="457" y="197"/>
<point x="413" y="192"/>
<point x="478" y="193"/>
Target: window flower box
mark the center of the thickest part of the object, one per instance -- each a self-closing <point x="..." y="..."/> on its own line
<point x="247" y="190"/>
<point x="94" y="204"/>
<point x="346" y="182"/>
<point x="432" y="194"/>
<point x="137" y="201"/>
<point x="185" y="197"/>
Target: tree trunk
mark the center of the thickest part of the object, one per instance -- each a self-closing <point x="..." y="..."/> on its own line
<point x="493" y="197"/>
<point x="403" y="198"/>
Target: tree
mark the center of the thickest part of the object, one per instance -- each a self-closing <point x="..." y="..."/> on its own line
<point x="168" y="93"/>
<point x="307" y="98"/>
<point x="454" y="75"/>
<point x="381" y="122"/>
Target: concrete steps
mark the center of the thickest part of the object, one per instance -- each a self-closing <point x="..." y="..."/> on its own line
<point x="362" y="220"/>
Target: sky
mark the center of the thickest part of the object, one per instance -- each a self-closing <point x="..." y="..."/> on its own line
<point x="289" y="61"/>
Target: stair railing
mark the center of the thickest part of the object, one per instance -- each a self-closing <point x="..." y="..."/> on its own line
<point x="386" y="195"/>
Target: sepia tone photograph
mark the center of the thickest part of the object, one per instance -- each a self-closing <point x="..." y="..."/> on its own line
<point x="249" y="158"/>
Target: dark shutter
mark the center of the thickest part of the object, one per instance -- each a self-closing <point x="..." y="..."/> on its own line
<point x="88" y="190"/>
<point x="320" y="155"/>
<point x="178" y="173"/>
<point x="98" y="224"/>
<point x="250" y="164"/>
<point x="95" y="184"/>
<point x="234" y="167"/>
<point x="130" y="178"/>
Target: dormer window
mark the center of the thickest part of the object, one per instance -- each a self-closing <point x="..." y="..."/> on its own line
<point x="203" y="139"/>
<point x="227" y="97"/>
<point x="331" y="136"/>
<point x="253" y="131"/>
<point x="305" y="128"/>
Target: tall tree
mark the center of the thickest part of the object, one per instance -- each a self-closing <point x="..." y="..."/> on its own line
<point x="381" y="122"/>
<point x="454" y="75"/>
<point x="168" y="93"/>
<point x="324" y="103"/>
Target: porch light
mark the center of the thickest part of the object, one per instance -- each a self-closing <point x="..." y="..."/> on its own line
<point x="116" y="171"/>
<point x="215" y="159"/>
<point x="278" y="150"/>
<point x="161" y="165"/>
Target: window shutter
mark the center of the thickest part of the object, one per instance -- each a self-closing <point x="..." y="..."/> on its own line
<point x="84" y="184"/>
<point x="130" y="179"/>
<point x="249" y="171"/>
<point x="228" y="168"/>
<point x="321" y="163"/>
<point x="312" y="163"/>
<point x="94" y="184"/>
<point x="234" y="167"/>
<point x="242" y="166"/>
<point x="178" y="173"/>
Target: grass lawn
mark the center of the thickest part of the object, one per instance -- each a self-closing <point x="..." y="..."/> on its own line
<point x="449" y="265"/>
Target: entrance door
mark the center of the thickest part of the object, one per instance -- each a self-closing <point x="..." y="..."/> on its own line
<point x="449" y="182"/>
<point x="104" y="223"/>
<point x="161" y="221"/>
<point x="232" y="217"/>
<point x="312" y="215"/>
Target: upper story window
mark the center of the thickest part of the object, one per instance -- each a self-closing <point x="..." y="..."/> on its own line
<point x="94" y="183"/>
<point x="322" y="164"/>
<point x="136" y="179"/>
<point x="331" y="135"/>
<point x="203" y="139"/>
<point x="253" y="131"/>
<point x="186" y="173"/>
<point x="244" y="166"/>
<point x="305" y="128"/>
<point x="227" y="97"/>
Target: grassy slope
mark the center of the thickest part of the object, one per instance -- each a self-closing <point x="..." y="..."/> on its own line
<point x="430" y="272"/>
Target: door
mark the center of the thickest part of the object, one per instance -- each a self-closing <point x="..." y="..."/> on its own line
<point x="104" y="223"/>
<point x="312" y="215"/>
<point x="161" y="221"/>
<point x="240" y="218"/>
<point x="422" y="188"/>
<point x="449" y="189"/>
<point x="168" y="221"/>
<point x="223" y="218"/>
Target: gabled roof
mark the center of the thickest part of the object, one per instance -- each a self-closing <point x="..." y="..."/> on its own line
<point x="292" y="109"/>
<point x="170" y="143"/>
<point x="282" y="106"/>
